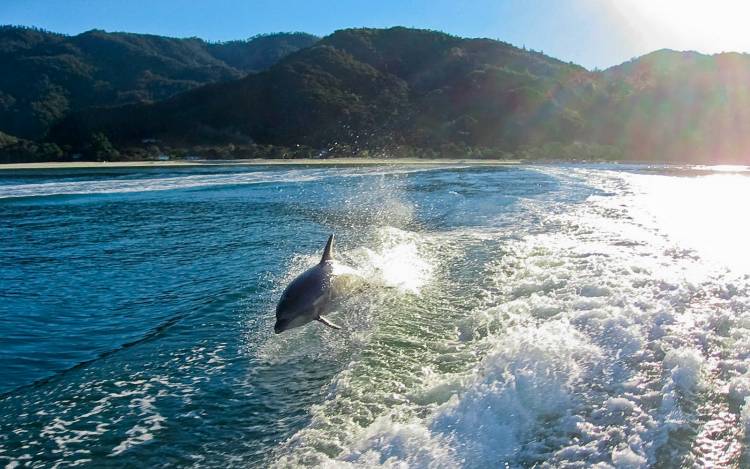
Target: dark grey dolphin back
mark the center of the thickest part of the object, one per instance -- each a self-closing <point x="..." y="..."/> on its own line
<point x="328" y="251"/>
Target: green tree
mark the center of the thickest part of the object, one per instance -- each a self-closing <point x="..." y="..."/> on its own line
<point x="100" y="148"/>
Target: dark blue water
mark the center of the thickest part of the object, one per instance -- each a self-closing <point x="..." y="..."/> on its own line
<point x="136" y="313"/>
<point x="142" y="304"/>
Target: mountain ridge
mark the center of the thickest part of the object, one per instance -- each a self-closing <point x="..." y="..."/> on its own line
<point x="54" y="74"/>
<point x="366" y="82"/>
<point x="361" y="90"/>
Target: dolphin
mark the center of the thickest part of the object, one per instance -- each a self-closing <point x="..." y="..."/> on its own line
<point x="311" y="293"/>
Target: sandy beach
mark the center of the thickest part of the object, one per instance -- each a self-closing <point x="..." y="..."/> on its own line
<point x="254" y="162"/>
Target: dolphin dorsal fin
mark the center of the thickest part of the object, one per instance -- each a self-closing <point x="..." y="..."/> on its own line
<point x="328" y="251"/>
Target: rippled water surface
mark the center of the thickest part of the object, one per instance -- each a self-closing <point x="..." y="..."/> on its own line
<point x="557" y="316"/>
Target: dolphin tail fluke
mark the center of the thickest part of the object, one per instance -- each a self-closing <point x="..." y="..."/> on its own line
<point x="326" y="322"/>
<point x="328" y="251"/>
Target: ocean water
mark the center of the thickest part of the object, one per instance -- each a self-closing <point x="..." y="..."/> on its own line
<point x="549" y="316"/>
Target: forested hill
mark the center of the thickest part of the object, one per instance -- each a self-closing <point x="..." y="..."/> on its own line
<point x="369" y="88"/>
<point x="363" y="90"/>
<point x="46" y="75"/>
<point x="676" y="106"/>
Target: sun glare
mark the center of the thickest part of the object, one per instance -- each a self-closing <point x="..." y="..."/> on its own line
<point x="702" y="213"/>
<point x="708" y="27"/>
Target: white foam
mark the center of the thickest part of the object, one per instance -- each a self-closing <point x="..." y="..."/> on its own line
<point x="684" y="367"/>
<point x="745" y="418"/>
<point x="619" y="405"/>
<point x="585" y="348"/>
<point x="150" y="422"/>
<point x="398" y="260"/>
<point x="626" y="458"/>
<point x="397" y="445"/>
<point x="739" y="388"/>
<point x="527" y="380"/>
<point x="112" y="186"/>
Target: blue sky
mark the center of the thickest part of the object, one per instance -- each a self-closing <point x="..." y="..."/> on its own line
<point x="593" y="33"/>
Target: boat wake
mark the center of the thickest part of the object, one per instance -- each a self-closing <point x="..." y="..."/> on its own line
<point x="594" y="337"/>
<point x="552" y="316"/>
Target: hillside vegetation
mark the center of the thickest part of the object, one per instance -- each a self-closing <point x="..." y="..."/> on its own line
<point x="46" y="75"/>
<point x="409" y="92"/>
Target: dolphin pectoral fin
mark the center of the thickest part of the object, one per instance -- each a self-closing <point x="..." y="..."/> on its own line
<point x="327" y="323"/>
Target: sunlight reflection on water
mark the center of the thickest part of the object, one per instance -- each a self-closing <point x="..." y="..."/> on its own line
<point x="707" y="214"/>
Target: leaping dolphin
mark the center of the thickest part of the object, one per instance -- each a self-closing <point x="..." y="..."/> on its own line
<point x="311" y="293"/>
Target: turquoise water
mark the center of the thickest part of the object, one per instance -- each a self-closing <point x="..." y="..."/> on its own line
<point x="522" y="315"/>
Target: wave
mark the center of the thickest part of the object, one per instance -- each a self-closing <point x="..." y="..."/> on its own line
<point x="150" y="335"/>
<point x="569" y="328"/>
<point x="115" y="186"/>
<point x="590" y="340"/>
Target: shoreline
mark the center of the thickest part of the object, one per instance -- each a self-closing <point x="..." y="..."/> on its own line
<point x="256" y="162"/>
